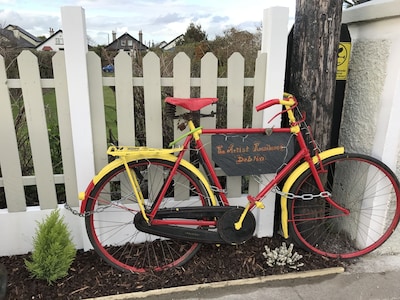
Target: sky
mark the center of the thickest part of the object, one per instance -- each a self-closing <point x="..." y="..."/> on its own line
<point x="159" y="20"/>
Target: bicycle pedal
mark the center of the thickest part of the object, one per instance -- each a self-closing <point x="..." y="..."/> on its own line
<point x="259" y="204"/>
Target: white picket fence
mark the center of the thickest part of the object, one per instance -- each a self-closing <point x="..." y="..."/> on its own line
<point x="44" y="179"/>
<point x="78" y="83"/>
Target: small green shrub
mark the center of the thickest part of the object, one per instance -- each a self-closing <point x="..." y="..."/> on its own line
<point x="53" y="249"/>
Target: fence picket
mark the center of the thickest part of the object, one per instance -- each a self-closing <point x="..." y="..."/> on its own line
<point x="259" y="92"/>
<point x="181" y="75"/>
<point x="97" y="109"/>
<point x="37" y="128"/>
<point x="9" y="159"/>
<point x="235" y="110"/>
<point x="181" y="86"/>
<point x="64" y="124"/>
<point x="124" y="99"/>
<point x="152" y="96"/>
<point x="208" y="88"/>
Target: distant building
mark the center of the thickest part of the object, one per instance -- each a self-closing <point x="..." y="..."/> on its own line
<point x="13" y="36"/>
<point x="161" y="45"/>
<point x="55" y="42"/>
<point x="126" y="42"/>
<point x="172" y="44"/>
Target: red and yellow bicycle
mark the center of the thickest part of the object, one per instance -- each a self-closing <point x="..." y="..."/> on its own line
<point x="151" y="209"/>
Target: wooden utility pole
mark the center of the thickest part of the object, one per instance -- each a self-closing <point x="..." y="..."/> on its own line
<point x="312" y="64"/>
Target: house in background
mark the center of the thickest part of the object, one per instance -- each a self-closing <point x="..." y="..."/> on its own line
<point x="172" y="44"/>
<point x="22" y="34"/>
<point x="126" y="42"/>
<point x="55" y="42"/>
<point x="161" y="45"/>
<point x="13" y="36"/>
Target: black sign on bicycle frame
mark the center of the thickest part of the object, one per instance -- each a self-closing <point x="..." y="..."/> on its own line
<point x="252" y="154"/>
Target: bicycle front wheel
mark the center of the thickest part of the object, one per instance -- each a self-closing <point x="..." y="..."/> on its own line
<point x="112" y="206"/>
<point x="366" y="187"/>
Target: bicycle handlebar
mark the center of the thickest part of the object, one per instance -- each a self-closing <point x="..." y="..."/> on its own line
<point x="288" y="101"/>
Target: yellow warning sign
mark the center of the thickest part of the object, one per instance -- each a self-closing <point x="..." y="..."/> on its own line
<point x="343" y="60"/>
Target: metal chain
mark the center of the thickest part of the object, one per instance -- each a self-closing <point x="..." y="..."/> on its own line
<point x="305" y="197"/>
<point x="86" y="213"/>
<point x="74" y="211"/>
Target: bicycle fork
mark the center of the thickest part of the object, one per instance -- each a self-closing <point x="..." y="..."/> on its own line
<point x="321" y="188"/>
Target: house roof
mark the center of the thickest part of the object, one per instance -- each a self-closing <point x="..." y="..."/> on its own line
<point x="172" y="43"/>
<point x="23" y="31"/>
<point x="115" y="43"/>
<point x="9" y="36"/>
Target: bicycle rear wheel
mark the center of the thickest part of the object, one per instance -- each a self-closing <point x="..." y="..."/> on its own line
<point x="359" y="183"/>
<point x="112" y="207"/>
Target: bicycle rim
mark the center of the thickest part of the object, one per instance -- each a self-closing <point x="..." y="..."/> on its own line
<point x="359" y="183"/>
<point x="111" y="228"/>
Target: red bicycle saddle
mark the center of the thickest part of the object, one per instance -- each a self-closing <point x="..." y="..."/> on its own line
<point x="191" y="104"/>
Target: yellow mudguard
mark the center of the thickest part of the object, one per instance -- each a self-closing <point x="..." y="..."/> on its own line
<point x="148" y="153"/>
<point x="292" y="179"/>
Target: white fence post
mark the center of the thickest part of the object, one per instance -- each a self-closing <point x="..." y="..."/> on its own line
<point x="76" y="48"/>
<point x="75" y="45"/>
<point x="274" y="41"/>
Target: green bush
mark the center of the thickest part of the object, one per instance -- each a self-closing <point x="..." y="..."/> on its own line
<point x="53" y="249"/>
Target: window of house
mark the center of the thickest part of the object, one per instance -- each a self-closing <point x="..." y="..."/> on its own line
<point x="123" y="43"/>
<point x="59" y="41"/>
<point x="130" y="43"/>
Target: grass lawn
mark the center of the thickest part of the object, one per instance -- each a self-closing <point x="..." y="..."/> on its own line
<point x="49" y="99"/>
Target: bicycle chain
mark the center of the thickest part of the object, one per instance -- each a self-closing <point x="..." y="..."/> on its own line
<point x="305" y="197"/>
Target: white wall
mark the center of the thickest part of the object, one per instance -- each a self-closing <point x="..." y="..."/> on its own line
<point x="372" y="100"/>
<point x="19" y="228"/>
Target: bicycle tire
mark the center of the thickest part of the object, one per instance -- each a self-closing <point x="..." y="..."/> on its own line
<point x="112" y="207"/>
<point x="360" y="183"/>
